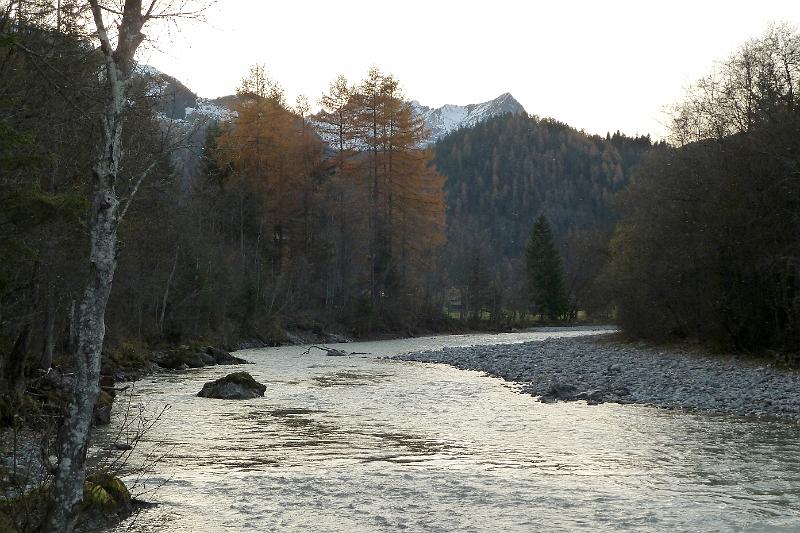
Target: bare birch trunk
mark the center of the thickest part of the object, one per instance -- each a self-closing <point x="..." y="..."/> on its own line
<point x="67" y="490"/>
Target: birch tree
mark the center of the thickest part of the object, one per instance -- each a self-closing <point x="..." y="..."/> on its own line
<point x="129" y="17"/>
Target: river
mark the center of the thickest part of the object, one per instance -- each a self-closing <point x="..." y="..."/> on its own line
<point x="366" y="444"/>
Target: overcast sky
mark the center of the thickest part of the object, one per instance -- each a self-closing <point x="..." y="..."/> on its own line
<point x="598" y="66"/>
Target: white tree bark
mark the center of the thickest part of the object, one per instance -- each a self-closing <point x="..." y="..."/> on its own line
<point x="67" y="490"/>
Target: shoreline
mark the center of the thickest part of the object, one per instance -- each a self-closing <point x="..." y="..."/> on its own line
<point x="598" y="369"/>
<point x="177" y="357"/>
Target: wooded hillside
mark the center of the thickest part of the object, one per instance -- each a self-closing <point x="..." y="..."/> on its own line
<point x="503" y="173"/>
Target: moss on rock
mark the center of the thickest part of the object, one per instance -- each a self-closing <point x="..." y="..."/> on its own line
<point x="235" y="386"/>
<point x="106" y="491"/>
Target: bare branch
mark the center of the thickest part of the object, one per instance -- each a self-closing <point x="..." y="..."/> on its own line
<point x="135" y="189"/>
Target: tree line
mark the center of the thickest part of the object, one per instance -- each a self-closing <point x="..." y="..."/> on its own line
<point x="708" y="245"/>
<point x="337" y="215"/>
<point x="502" y="176"/>
<point x="288" y="220"/>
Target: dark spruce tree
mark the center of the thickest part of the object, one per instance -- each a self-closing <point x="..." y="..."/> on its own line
<point x="548" y="296"/>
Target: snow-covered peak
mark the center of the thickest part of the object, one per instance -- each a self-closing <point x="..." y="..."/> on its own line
<point x="209" y="109"/>
<point x="176" y="102"/>
<point x="443" y="120"/>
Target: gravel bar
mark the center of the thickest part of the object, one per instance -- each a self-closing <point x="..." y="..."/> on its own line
<point x="596" y="369"/>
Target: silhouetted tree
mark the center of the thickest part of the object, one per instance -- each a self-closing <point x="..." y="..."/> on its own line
<point x="708" y="246"/>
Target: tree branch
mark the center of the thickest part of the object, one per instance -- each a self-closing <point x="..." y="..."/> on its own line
<point x="135" y="189"/>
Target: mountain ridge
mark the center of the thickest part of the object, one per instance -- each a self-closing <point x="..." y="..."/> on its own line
<point x="450" y="117"/>
<point x="176" y="101"/>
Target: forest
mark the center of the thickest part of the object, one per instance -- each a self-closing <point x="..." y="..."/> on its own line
<point x="502" y="175"/>
<point x="277" y="226"/>
<point x="347" y="220"/>
<point x="124" y="229"/>
<point x="707" y="245"/>
<point x="344" y="220"/>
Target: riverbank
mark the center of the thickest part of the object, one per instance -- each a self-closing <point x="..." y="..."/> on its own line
<point x="131" y="360"/>
<point x="599" y="369"/>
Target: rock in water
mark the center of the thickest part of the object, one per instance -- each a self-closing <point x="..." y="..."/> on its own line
<point x="102" y="409"/>
<point x="236" y="386"/>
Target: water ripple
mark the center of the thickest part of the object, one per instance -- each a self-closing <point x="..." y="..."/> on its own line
<point x="364" y="444"/>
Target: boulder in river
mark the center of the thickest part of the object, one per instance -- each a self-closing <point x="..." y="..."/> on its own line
<point x="178" y="359"/>
<point x="236" y="386"/>
<point x="592" y="397"/>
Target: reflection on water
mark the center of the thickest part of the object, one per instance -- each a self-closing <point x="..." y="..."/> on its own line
<point x="365" y="444"/>
<point x="349" y="378"/>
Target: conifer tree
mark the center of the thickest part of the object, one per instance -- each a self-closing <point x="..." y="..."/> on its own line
<point x="545" y="273"/>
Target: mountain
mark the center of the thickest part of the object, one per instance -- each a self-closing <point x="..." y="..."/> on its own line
<point x="449" y="117"/>
<point x="176" y="102"/>
<point x="186" y="118"/>
<point x="502" y="173"/>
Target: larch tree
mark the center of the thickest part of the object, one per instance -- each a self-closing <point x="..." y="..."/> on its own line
<point x="348" y="208"/>
<point x="336" y="119"/>
<point x="369" y="100"/>
<point x="273" y="154"/>
<point x="405" y="193"/>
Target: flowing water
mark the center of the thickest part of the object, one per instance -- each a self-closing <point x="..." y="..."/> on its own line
<point x="366" y="444"/>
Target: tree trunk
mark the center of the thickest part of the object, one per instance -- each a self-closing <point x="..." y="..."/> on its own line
<point x="49" y="325"/>
<point x="67" y="489"/>
<point x="72" y="329"/>
<point x="15" y="369"/>
<point x="166" y="291"/>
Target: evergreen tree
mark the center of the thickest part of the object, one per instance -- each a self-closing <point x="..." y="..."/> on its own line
<point x="545" y="273"/>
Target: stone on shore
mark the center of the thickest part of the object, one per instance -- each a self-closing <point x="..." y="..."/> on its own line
<point x="599" y="370"/>
<point x="221" y="357"/>
<point x="184" y="357"/>
<point x="236" y="386"/>
<point x="102" y="409"/>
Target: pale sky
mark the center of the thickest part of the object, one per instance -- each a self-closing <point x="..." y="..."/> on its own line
<point x="596" y="65"/>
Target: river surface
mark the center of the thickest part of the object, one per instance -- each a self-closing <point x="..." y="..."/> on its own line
<point x="365" y="444"/>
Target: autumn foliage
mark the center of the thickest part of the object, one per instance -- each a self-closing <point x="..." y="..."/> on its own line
<point x="347" y="199"/>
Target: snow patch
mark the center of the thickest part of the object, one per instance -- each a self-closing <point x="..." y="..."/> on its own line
<point x="449" y="117"/>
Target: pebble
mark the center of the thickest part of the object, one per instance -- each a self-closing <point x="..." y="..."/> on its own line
<point x="581" y="368"/>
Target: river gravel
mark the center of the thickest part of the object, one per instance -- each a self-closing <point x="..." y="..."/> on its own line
<point x="597" y="369"/>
